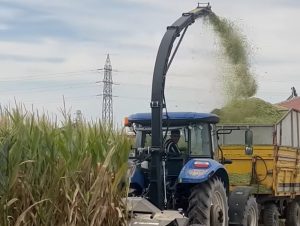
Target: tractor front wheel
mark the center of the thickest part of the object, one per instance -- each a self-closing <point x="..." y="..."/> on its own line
<point x="208" y="204"/>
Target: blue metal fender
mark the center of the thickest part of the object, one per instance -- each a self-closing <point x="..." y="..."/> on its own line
<point x="137" y="179"/>
<point x="200" y="170"/>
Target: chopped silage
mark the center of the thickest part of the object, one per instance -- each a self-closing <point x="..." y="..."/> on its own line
<point x="238" y="79"/>
<point x="249" y="110"/>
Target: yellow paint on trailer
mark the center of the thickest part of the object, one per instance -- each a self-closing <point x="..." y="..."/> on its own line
<point x="240" y="170"/>
<point x="280" y="178"/>
<point x="287" y="172"/>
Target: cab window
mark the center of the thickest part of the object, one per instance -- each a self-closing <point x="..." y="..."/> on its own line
<point x="200" y="140"/>
<point x="182" y="143"/>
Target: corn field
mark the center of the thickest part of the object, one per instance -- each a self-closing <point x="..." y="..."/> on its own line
<point x="67" y="173"/>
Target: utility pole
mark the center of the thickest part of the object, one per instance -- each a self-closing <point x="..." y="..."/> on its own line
<point x="107" y="104"/>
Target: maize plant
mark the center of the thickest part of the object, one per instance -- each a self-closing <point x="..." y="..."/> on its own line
<point x="60" y="173"/>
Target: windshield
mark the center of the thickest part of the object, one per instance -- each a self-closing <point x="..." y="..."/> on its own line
<point x="199" y="145"/>
<point x="182" y="144"/>
<point x="200" y="139"/>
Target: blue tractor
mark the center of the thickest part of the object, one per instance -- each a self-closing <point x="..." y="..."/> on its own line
<point x="194" y="184"/>
<point x="190" y="187"/>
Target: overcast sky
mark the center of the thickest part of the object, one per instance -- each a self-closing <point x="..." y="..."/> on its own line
<point x="51" y="49"/>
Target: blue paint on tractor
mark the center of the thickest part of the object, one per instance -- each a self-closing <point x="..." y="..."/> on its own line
<point x="174" y="118"/>
<point x="198" y="170"/>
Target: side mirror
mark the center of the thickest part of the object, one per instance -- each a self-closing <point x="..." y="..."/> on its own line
<point x="248" y="142"/>
<point x="248" y="150"/>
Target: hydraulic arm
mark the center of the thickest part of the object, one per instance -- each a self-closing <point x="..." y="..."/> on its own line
<point x="162" y="64"/>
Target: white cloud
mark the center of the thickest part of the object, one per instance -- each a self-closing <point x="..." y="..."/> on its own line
<point x="132" y="36"/>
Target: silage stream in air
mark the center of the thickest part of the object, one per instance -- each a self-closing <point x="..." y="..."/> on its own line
<point x="239" y="82"/>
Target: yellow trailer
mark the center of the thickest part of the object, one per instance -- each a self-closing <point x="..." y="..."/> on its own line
<point x="271" y="170"/>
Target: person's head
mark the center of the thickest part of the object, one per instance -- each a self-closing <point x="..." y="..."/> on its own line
<point x="175" y="135"/>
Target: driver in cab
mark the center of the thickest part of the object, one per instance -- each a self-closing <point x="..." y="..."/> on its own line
<point x="171" y="144"/>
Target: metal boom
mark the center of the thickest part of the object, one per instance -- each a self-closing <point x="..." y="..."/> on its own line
<point x="162" y="64"/>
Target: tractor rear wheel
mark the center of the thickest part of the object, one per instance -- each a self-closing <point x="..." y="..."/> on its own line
<point x="208" y="204"/>
<point x="293" y="214"/>
<point x="251" y="214"/>
<point x="271" y="215"/>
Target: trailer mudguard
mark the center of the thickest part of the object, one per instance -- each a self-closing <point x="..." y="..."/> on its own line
<point x="199" y="170"/>
<point x="237" y="201"/>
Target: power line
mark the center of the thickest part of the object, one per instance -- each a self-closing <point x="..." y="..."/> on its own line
<point x="48" y="89"/>
<point x="46" y="75"/>
<point x="68" y="99"/>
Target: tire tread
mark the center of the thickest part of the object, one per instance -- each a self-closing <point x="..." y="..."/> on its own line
<point x="199" y="202"/>
<point x="268" y="214"/>
<point x="291" y="214"/>
<point x="250" y="202"/>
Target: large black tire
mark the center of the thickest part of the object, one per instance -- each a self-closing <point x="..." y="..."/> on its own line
<point x="293" y="214"/>
<point x="271" y="215"/>
<point x="208" y="204"/>
<point x="251" y="213"/>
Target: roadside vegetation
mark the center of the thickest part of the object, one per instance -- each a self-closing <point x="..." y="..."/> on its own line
<point x="66" y="173"/>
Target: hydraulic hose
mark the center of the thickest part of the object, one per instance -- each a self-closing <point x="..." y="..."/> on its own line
<point x="254" y="176"/>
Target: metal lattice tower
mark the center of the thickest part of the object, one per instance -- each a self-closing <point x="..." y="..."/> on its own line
<point x="107" y="104"/>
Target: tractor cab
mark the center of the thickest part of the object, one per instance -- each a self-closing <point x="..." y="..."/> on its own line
<point x="196" y="139"/>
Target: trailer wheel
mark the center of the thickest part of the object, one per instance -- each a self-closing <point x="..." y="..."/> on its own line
<point x="271" y="215"/>
<point x="293" y="214"/>
<point x="251" y="214"/>
<point x="208" y="204"/>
